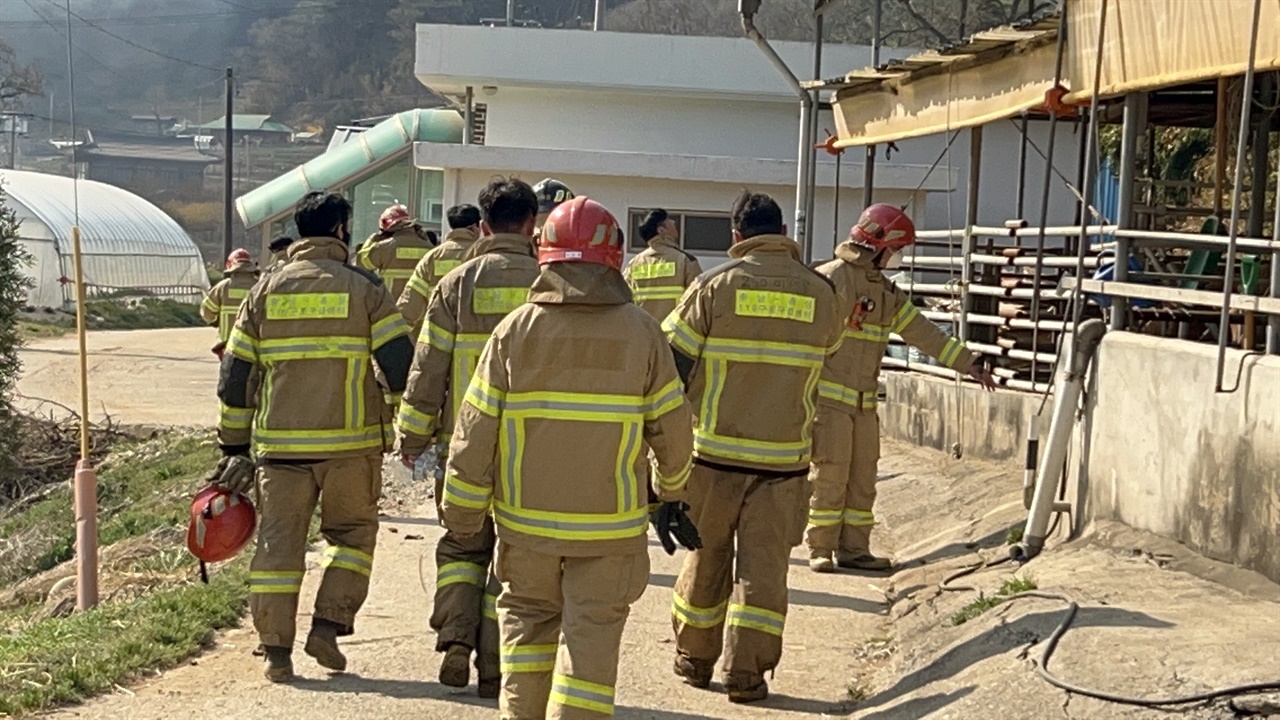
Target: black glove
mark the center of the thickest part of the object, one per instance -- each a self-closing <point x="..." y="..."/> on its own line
<point x="670" y="520"/>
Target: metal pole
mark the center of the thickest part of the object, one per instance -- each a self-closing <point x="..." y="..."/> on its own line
<point x="835" y="220"/>
<point x="1049" y="156"/>
<point x="13" y="141"/>
<point x="869" y="167"/>
<point x="511" y="12"/>
<point x="818" y="24"/>
<point x="970" y="219"/>
<point x="228" y="145"/>
<point x="1022" y="169"/>
<point x="1134" y="125"/>
<point x="1273" y="321"/>
<point x="599" y="21"/>
<point x="1228" y="282"/>
<point x="1090" y="174"/>
<point x="1220" y="148"/>
<point x="469" y="116"/>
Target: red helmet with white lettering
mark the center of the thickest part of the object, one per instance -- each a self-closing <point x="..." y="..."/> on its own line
<point x="238" y="257"/>
<point x="581" y="230"/>
<point x="393" y="217"/>
<point x="221" y="525"/>
<point x="883" y="227"/>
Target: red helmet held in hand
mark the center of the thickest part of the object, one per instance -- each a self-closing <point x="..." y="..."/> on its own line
<point x="883" y="227"/>
<point x="222" y="523"/>
<point x="581" y="230"/>
<point x="238" y="257"/>
<point x="393" y="217"/>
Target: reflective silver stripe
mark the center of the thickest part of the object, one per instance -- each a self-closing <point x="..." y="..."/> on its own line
<point x="727" y="445"/>
<point x="583" y="694"/>
<point x="628" y="480"/>
<point x="762" y="354"/>
<point x="514" y="516"/>
<point x="636" y="409"/>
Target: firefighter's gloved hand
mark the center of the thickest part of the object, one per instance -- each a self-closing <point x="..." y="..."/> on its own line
<point x="425" y="465"/>
<point x="235" y="474"/>
<point x="673" y="525"/>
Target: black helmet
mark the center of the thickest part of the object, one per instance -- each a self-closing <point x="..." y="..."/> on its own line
<point x="551" y="192"/>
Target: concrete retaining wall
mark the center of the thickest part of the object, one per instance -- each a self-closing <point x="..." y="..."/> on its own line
<point x="1169" y="455"/>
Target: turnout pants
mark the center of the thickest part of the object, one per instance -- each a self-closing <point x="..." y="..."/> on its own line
<point x="562" y="621"/>
<point x="766" y="517"/>
<point x="465" y="610"/>
<point x="347" y="490"/>
<point x="846" y="449"/>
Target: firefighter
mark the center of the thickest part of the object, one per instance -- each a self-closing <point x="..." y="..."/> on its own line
<point x="279" y="249"/>
<point x="578" y="367"/>
<point x="550" y="193"/>
<point x="465" y="308"/>
<point x="846" y="438"/>
<point x="394" y="251"/>
<point x="659" y="275"/>
<point x="223" y="301"/>
<point x="309" y="336"/>
<point x="750" y="337"/>
<point x="464" y="230"/>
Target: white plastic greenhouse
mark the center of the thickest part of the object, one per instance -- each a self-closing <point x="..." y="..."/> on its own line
<point x="130" y="246"/>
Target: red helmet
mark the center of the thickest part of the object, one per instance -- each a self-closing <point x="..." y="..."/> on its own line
<point x="393" y="216"/>
<point x="883" y="227"/>
<point x="239" y="256"/>
<point x="221" y="524"/>
<point x="581" y="230"/>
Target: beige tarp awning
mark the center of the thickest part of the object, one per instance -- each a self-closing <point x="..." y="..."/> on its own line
<point x="1151" y="44"/>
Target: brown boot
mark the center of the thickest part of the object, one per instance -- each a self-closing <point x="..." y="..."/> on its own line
<point x="862" y="561"/>
<point x="489" y="688"/>
<point x="695" y="672"/>
<point x="279" y="665"/>
<point x="322" y="644"/>
<point x="820" y="561"/>
<point x="746" y="687"/>
<point x="455" y="668"/>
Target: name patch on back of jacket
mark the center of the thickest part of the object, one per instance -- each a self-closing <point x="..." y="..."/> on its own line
<point x="650" y="271"/>
<point x="411" y="253"/>
<point x="443" y="267"/>
<point x="772" y="304"/>
<point x="498" y="301"/>
<point x="308" y="306"/>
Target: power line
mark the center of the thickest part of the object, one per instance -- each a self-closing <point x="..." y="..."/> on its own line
<point x="131" y="43"/>
<point x="62" y="34"/>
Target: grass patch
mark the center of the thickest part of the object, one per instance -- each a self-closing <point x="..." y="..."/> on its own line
<point x="1014" y="536"/>
<point x="37" y="331"/>
<point x="68" y="659"/>
<point x="1008" y="590"/>
<point x="142" y="314"/>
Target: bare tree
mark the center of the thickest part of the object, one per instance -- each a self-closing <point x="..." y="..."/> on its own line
<point x="16" y="80"/>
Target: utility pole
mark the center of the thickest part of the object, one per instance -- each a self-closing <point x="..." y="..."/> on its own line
<point x="599" y="22"/>
<point x="869" y="169"/>
<point x="511" y="12"/>
<point x="13" y="141"/>
<point x="228" y="142"/>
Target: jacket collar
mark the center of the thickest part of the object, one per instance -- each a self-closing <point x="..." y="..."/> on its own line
<point x="661" y="242"/>
<point x="512" y="243"/>
<point x="461" y="236"/>
<point x="855" y="254"/>
<point x="766" y="245"/>
<point x="568" y="283"/>
<point x="319" y="248"/>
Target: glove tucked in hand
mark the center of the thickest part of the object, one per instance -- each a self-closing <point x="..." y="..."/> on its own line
<point x="235" y="474"/>
<point x="673" y="525"/>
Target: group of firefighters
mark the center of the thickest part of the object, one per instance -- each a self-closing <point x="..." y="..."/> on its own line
<point x="563" y="402"/>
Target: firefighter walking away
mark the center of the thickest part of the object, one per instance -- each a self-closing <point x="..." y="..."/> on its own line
<point x="579" y="366"/>
<point x="464" y="230"/>
<point x="465" y="308"/>
<point x="394" y="251"/>
<point x="305" y="351"/>
<point x="749" y="334"/>
<point x="846" y="437"/>
<point x="223" y="301"/>
<point x="659" y="275"/>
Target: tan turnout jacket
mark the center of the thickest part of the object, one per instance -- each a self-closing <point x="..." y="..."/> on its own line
<point x="659" y="275"/>
<point x="433" y="266"/>
<point x="394" y="258"/>
<point x="465" y="308"/>
<point x="223" y="301"/>
<point x="570" y="389"/>
<point x="874" y="309"/>
<point x="758" y="329"/>
<point x="316" y="332"/>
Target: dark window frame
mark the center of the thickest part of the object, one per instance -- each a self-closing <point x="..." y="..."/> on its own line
<point x="635" y="216"/>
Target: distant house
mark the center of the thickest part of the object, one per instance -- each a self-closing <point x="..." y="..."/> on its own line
<point x="149" y="166"/>
<point x="259" y="128"/>
<point x="154" y="125"/>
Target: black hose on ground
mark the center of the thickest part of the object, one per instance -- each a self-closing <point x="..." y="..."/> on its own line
<point x="1051" y="645"/>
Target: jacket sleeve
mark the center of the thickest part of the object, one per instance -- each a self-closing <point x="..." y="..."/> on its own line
<point x="668" y="424"/>
<point x="424" y="396"/>
<point x="389" y="341"/>
<point x="235" y="380"/>
<point x="468" y="478"/>
<point x="918" y="331"/>
<point x="210" y="308"/>
<point x="366" y="256"/>
<point x="417" y="292"/>
<point x="689" y="324"/>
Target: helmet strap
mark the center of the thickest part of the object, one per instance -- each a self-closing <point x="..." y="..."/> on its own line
<point x="204" y="573"/>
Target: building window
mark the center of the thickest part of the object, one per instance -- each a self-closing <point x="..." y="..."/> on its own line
<point x="706" y="232"/>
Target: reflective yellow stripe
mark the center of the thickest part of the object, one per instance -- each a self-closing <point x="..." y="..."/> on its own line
<point x="573" y="526"/>
<point x="698" y="617"/>
<point x="396" y="274"/>
<point x="653" y="270"/>
<point x="527" y="658"/>
<point x="313" y="347"/>
<point x="757" y="451"/>
<point x="859" y="518"/>
<point x="683" y="337"/>
<point x="419" y="284"/>
<point x="490" y="609"/>
<point x="769" y="353"/>
<point x="209" y="305"/>
<point x="951" y="352"/>
<point x="868" y="332"/>
<point x="275" y="582"/>
<point x="348" y="558"/>
<point x="444" y="267"/>
<point x="387" y="329"/>
<point x="411" y="253"/>
<point x="497" y="300"/>
<point x="773" y="304"/>
<point x="308" y="306"/>
<point x="597" y="407"/>
<point x="302" y="441"/>
<point x="903" y="317"/>
<point x="485" y="397"/>
<point x="657" y="292"/>
<point x="572" y="692"/>
<point x="825" y="518"/>
<point x="234" y="418"/>
<point x="460" y="572"/>
<point x="242" y="346"/>
<point x="861" y="400"/>
<point x="463" y="494"/>
<point x="363" y="257"/>
<point x="664" y="401"/>
<point x="237" y="294"/>
<point x="675" y="483"/>
<point x="412" y="420"/>
<point x="756" y="618"/>
<point x="436" y="337"/>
